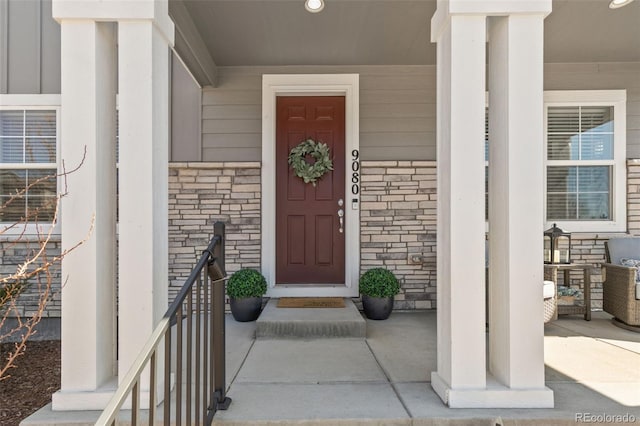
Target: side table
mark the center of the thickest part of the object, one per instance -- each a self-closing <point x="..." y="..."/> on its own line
<point x="551" y="271"/>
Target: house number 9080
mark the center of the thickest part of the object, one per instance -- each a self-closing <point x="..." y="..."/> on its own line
<point x="355" y="172"/>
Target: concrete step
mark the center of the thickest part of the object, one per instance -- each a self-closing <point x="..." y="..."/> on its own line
<point x="277" y="322"/>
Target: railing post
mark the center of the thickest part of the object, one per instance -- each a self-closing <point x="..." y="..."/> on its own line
<point x="218" y="250"/>
<point x="210" y="383"/>
<point x="217" y="271"/>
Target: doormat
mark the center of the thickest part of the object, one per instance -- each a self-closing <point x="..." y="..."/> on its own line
<point x="311" y="302"/>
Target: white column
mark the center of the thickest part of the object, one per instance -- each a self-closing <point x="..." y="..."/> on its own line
<point x="88" y="273"/>
<point x="144" y="147"/>
<point x="461" y="223"/>
<point x="516" y="335"/>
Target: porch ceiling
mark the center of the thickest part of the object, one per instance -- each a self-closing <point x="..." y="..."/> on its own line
<point x="389" y="32"/>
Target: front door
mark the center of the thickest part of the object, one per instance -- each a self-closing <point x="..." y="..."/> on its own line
<point x="309" y="233"/>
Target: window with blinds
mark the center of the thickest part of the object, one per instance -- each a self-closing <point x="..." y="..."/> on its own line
<point x="486" y="163"/>
<point x="585" y="160"/>
<point x="28" y="140"/>
<point x="580" y="143"/>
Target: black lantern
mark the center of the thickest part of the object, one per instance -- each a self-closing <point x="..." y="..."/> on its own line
<point x="557" y="246"/>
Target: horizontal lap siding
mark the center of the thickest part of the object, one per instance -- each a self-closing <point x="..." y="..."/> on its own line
<point x="609" y="76"/>
<point x="397" y="112"/>
<point x="397" y="107"/>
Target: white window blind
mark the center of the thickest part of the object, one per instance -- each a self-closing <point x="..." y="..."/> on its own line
<point x="580" y="152"/>
<point x="28" y="140"/>
<point x="585" y="146"/>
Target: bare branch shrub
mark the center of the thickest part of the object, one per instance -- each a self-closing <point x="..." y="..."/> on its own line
<point x="35" y="271"/>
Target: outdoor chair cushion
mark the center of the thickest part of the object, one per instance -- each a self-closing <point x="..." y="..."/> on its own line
<point x="548" y="289"/>
<point x="620" y="248"/>
<point x="621" y="289"/>
<point x="550" y="301"/>
<point x="633" y="263"/>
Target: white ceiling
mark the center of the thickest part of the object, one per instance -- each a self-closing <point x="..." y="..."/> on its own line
<point x="391" y="32"/>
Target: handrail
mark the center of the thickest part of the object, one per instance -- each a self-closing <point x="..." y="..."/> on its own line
<point x="112" y="409"/>
<point x="211" y="364"/>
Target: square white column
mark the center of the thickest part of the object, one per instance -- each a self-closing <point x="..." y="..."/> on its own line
<point x="88" y="127"/>
<point x="516" y="327"/>
<point x="143" y="198"/>
<point x="461" y="206"/>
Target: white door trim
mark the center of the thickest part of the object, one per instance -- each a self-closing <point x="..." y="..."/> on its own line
<point x="346" y="85"/>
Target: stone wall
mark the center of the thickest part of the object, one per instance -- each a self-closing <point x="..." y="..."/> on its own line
<point x="398" y="226"/>
<point x="201" y="194"/>
<point x="14" y="251"/>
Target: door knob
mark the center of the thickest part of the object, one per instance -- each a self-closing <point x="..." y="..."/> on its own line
<point x="341" y="219"/>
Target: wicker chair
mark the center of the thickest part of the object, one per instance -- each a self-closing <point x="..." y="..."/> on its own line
<point x="550" y="300"/>
<point x="619" y="290"/>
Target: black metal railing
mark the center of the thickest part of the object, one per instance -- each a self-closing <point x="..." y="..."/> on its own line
<point x="195" y="365"/>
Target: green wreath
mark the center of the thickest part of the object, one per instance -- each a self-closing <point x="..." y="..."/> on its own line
<point x="310" y="172"/>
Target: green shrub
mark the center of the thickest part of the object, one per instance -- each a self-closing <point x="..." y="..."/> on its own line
<point x="246" y="283"/>
<point x="379" y="282"/>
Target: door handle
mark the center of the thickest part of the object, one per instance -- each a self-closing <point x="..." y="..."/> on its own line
<point x="341" y="220"/>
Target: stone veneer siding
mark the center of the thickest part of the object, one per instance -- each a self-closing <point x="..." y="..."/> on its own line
<point x="201" y="194"/>
<point x="397" y="223"/>
<point x="14" y="253"/>
<point x="398" y="220"/>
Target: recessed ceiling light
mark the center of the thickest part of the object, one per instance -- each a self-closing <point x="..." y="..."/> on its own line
<point x="618" y="3"/>
<point x="314" y="6"/>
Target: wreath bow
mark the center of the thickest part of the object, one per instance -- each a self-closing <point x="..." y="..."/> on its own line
<point x="304" y="170"/>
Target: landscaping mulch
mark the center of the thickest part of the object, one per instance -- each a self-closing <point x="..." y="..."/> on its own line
<point x="35" y="378"/>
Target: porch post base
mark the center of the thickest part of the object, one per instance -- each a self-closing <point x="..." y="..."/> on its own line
<point x="86" y="400"/>
<point x="495" y="395"/>
<point x="98" y="399"/>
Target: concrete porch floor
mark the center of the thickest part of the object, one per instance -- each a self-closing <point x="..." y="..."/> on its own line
<point x="593" y="368"/>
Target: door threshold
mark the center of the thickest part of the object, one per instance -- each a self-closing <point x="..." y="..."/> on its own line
<point x="311" y="290"/>
<point x="309" y="285"/>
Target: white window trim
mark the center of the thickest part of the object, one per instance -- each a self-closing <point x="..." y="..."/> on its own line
<point x="617" y="99"/>
<point x="33" y="102"/>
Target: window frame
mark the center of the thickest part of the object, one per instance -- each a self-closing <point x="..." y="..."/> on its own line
<point x="586" y="98"/>
<point x="33" y="103"/>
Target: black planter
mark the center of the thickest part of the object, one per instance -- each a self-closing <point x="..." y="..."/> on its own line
<point x="377" y="308"/>
<point x="246" y="309"/>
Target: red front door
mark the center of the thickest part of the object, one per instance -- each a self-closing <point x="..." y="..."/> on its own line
<point x="309" y="244"/>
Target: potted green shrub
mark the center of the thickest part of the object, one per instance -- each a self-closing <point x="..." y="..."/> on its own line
<point x="245" y="289"/>
<point x="378" y="286"/>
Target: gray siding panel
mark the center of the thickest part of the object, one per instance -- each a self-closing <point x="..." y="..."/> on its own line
<point x="397" y="107"/>
<point x="223" y="96"/>
<point x="397" y="112"/>
<point x="633" y="150"/>
<point x="238" y="140"/>
<point x="231" y="112"/>
<point x="4" y="44"/>
<point x="186" y="100"/>
<point x="24" y="46"/>
<point x="231" y="126"/>
<point x="29" y="48"/>
<point x="50" y="76"/>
